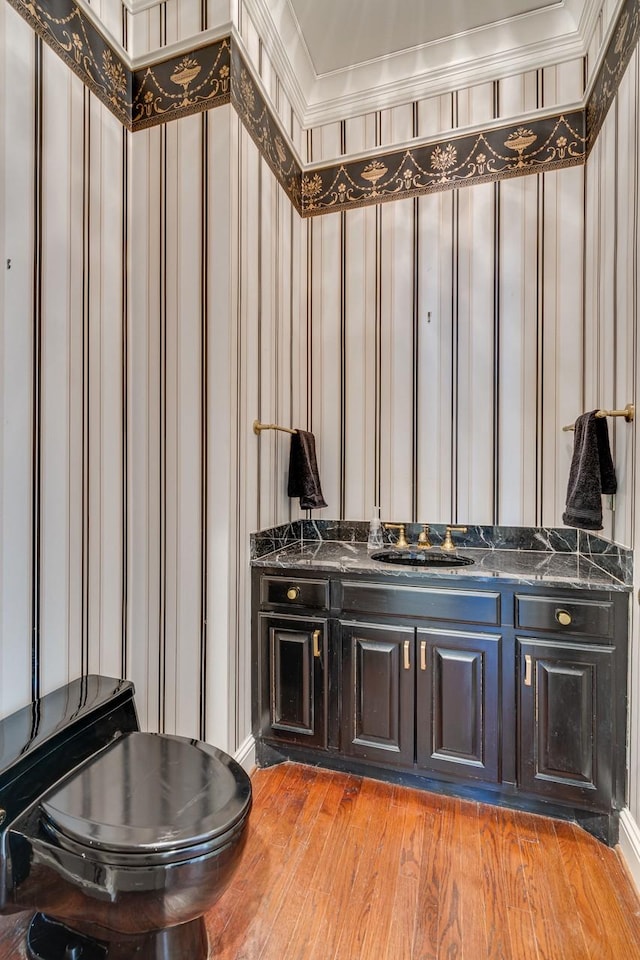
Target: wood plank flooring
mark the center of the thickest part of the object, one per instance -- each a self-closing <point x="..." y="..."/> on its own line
<point x="337" y="867"/>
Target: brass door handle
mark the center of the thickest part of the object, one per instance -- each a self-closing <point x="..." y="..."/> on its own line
<point x="528" y="665"/>
<point x="407" y="654"/>
<point x="423" y="654"/>
<point x="293" y="593"/>
<point x="316" y="643"/>
<point x="563" y="617"/>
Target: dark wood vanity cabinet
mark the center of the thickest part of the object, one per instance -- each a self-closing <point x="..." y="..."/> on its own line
<point x="566" y="749"/>
<point x="458" y="694"/>
<point x="378" y="685"/>
<point x="571" y="698"/>
<point x="294" y="693"/>
<point x="423" y="697"/>
<point x="516" y="693"/>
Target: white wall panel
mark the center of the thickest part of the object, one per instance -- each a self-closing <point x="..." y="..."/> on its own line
<point x="628" y="196"/>
<point x="435" y="400"/>
<point x="475" y="104"/>
<point x="267" y="340"/>
<point x="325" y="143"/>
<point x="224" y="425"/>
<point x="360" y="134"/>
<point x="518" y="94"/>
<point x="144" y="434"/>
<point x="398" y="268"/>
<point x="518" y="342"/>
<point x="325" y="362"/>
<point x="184" y="348"/>
<point x="104" y="377"/>
<point x="474" y="358"/>
<point x="628" y="263"/>
<point x="285" y="318"/>
<point x="16" y="345"/>
<point x="435" y="115"/>
<point x="563" y="84"/>
<point x="361" y="334"/>
<point x="61" y="560"/>
<point x="75" y="299"/>
<point x="562" y="306"/>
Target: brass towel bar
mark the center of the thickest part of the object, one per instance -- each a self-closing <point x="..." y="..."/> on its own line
<point x="259" y="427"/>
<point x="628" y="413"/>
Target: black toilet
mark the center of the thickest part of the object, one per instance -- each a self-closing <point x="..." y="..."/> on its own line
<point x="120" y="841"/>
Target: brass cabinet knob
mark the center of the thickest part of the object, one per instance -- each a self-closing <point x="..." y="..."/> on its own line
<point x="563" y="617"/>
<point x="293" y="593"/>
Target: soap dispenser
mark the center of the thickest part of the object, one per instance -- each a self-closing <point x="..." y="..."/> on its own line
<point x="375" y="541"/>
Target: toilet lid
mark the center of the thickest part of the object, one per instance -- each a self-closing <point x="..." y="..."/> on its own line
<point x="151" y="791"/>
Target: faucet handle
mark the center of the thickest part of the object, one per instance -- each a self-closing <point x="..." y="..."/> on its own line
<point x="447" y="543"/>
<point x="401" y="542"/>
<point x="424" y="543"/>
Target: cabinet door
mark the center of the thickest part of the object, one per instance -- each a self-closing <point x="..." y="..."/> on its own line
<point x="294" y="653"/>
<point x="457" y="709"/>
<point x="565" y="721"/>
<point x="378" y="693"/>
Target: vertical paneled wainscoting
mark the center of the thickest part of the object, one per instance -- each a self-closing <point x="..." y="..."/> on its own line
<point x="153" y="307"/>
<point x="612" y="359"/>
<point x="63" y="399"/>
<point x="447" y="352"/>
<point x="217" y="293"/>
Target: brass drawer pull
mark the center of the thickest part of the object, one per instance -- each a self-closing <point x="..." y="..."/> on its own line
<point x="563" y="617"/>
<point x="423" y="654"/>
<point x="527" y="669"/>
<point x="316" y="643"/>
<point x="293" y="593"/>
<point x="407" y="655"/>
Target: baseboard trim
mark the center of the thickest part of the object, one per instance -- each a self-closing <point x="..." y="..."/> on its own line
<point x="630" y="845"/>
<point x="245" y="755"/>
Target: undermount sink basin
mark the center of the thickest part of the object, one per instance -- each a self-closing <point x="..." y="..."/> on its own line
<point x="421" y="558"/>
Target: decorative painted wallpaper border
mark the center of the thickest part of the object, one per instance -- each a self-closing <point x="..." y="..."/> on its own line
<point x="217" y="73"/>
<point x="181" y="86"/>
<point x="509" y="151"/>
<point x="271" y="141"/>
<point x="69" y="32"/>
<point x="621" y="46"/>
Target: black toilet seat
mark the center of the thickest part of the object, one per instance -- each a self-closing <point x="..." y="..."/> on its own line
<point x="162" y="796"/>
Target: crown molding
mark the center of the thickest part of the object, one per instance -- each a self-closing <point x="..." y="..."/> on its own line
<point x="188" y="45"/>
<point x="283" y="40"/>
<point x="138" y="6"/>
<point x="87" y="11"/>
<point x="487" y="53"/>
<point x="607" y="37"/>
<point x="524" y="43"/>
<point x="334" y="106"/>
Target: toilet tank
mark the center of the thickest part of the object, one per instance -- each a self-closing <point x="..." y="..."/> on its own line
<point x="44" y="741"/>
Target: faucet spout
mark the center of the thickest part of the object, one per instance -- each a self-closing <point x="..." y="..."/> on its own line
<point x="401" y="542"/>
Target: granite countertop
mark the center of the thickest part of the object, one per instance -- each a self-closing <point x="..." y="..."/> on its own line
<point x="497" y="560"/>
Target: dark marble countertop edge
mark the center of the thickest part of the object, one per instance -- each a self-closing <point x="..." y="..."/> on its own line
<point x="582" y="572"/>
<point x="514" y="553"/>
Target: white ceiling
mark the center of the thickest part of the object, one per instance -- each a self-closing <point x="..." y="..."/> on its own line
<point x="340" y="58"/>
<point x="339" y="34"/>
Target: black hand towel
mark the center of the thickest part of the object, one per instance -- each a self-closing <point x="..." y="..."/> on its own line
<point x="304" y="480"/>
<point x="592" y="473"/>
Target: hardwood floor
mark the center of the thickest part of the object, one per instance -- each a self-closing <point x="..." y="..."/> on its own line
<point x="341" y="868"/>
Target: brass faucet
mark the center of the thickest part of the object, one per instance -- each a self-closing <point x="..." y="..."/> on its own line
<point x="447" y="543"/>
<point x="424" y="543"/>
<point x="401" y="542"/>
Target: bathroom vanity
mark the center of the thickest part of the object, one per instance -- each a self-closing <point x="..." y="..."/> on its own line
<point x="504" y="681"/>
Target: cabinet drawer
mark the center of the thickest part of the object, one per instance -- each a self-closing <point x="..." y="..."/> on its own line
<point x="461" y="606"/>
<point x="295" y="592"/>
<point x="590" y="618"/>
